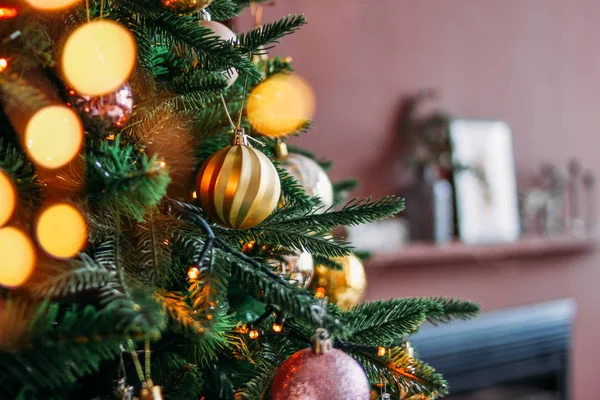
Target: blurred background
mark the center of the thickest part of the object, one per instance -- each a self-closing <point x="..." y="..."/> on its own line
<point x="535" y="65"/>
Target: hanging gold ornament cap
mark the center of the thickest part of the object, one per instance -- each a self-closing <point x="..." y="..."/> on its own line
<point x="185" y="6"/>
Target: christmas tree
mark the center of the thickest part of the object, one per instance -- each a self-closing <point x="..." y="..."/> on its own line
<point x="157" y="240"/>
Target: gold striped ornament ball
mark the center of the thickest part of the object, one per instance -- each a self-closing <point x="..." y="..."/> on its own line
<point x="238" y="187"/>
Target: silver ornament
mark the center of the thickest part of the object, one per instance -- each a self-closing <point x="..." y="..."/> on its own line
<point x="123" y="391"/>
<point x="297" y="269"/>
<point x="311" y="177"/>
<point x="109" y="112"/>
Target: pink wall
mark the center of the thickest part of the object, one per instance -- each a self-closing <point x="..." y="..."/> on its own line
<point x="533" y="63"/>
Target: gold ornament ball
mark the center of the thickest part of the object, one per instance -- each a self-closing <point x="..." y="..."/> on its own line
<point x="238" y="187"/>
<point x="311" y="177"/>
<point x="280" y="105"/>
<point x="296" y="269"/>
<point x="344" y="287"/>
<point x="185" y="6"/>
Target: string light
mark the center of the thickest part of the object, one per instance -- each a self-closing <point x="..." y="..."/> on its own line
<point x="254" y="334"/>
<point x="320" y="293"/>
<point x="248" y="247"/>
<point x="53" y="136"/>
<point x="7" y="198"/>
<point x="193" y="273"/>
<point x="48" y="5"/>
<point x="194" y="195"/>
<point x="61" y="230"/>
<point x="17" y="257"/>
<point x="3" y="63"/>
<point x="98" y="57"/>
<point x="7" y="12"/>
<point x="381" y="351"/>
<point x="277" y="328"/>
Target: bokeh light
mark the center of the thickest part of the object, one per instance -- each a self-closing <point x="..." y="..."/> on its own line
<point x="280" y="105"/>
<point x="8" y="198"/>
<point x="17" y="257"/>
<point x="61" y="230"/>
<point x="53" y="136"/>
<point x="48" y="5"/>
<point x="7" y="12"/>
<point x="3" y="64"/>
<point x="98" y="57"/>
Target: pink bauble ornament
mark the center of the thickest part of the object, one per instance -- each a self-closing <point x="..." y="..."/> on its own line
<point x="329" y="375"/>
<point x="109" y="112"/>
<point x="224" y="33"/>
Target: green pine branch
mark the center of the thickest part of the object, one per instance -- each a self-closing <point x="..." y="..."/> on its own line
<point x="404" y="374"/>
<point x="452" y="309"/>
<point x="381" y="323"/>
<point x="69" y="278"/>
<point x="354" y="213"/>
<point x="221" y="10"/>
<point x="292" y="301"/>
<point x="181" y="31"/>
<point x="153" y="253"/>
<point x="264" y="368"/>
<point x="322" y="244"/>
<point x="118" y="177"/>
<point x="22" y="173"/>
<point x="261" y="38"/>
<point x="179" y="379"/>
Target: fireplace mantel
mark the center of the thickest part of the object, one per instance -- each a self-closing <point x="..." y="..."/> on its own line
<point x="431" y="254"/>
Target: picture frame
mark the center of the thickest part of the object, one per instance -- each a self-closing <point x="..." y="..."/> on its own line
<point x="485" y="181"/>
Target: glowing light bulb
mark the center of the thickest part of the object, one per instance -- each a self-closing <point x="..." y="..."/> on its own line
<point x="7" y="12"/>
<point x="3" y="64"/>
<point x="254" y="334"/>
<point x="61" y="230"/>
<point x="320" y="293"/>
<point x="277" y="328"/>
<point x="381" y="351"/>
<point x="193" y="273"/>
<point x="98" y="57"/>
<point x="8" y="198"/>
<point x="17" y="257"/>
<point x="53" y="136"/>
<point x="47" y="5"/>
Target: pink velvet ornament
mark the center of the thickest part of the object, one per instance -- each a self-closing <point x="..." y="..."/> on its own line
<point x="329" y="375"/>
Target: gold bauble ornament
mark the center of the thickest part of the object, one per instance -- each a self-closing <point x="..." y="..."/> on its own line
<point x="297" y="269"/>
<point x="311" y="177"/>
<point x="185" y="6"/>
<point x="344" y="287"/>
<point x="280" y="105"/>
<point x="238" y="186"/>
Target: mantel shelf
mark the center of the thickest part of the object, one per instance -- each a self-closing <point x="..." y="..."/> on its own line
<point x="429" y="254"/>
